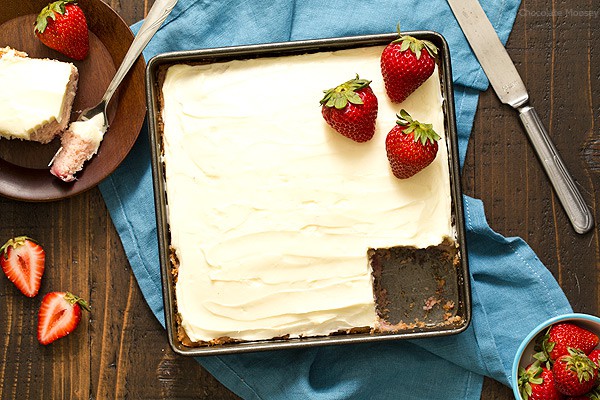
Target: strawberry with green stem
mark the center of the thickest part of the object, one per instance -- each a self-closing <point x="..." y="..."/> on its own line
<point x="62" y="26"/>
<point x="351" y="109"/>
<point x="574" y="373"/>
<point x="410" y="146"/>
<point x="537" y="383"/>
<point x="559" y="337"/>
<point x="406" y="63"/>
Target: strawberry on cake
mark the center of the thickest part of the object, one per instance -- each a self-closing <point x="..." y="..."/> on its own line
<point x="36" y="96"/>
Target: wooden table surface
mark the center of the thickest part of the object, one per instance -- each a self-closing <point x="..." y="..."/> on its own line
<point x="121" y="351"/>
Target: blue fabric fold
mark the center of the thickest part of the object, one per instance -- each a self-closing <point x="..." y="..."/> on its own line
<point x="507" y="278"/>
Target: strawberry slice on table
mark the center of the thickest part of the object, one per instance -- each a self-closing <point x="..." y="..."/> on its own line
<point x="574" y="373"/>
<point x="537" y="383"/>
<point x="411" y="146"/>
<point x="59" y="315"/>
<point x="561" y="336"/>
<point x="406" y="63"/>
<point x="351" y="109"/>
<point x="23" y="261"/>
<point x="62" y="26"/>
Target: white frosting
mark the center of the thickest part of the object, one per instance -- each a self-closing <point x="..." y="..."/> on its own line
<point x="272" y="212"/>
<point x="32" y="94"/>
<point x="91" y="130"/>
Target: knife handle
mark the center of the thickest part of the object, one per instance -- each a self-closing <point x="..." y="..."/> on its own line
<point x="568" y="194"/>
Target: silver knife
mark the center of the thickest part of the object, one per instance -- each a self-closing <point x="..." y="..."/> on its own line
<point x="511" y="90"/>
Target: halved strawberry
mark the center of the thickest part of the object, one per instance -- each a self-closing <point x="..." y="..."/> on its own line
<point x="23" y="261"/>
<point x="59" y="315"/>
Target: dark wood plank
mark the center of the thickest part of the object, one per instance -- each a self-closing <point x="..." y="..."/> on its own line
<point x="120" y="349"/>
<point x="502" y="169"/>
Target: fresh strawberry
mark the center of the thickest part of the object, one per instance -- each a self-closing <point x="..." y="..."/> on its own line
<point x="59" y="315"/>
<point x="410" y="145"/>
<point x="61" y="25"/>
<point x="563" y="335"/>
<point x="537" y="383"/>
<point x="594" y="355"/>
<point x="351" y="109"/>
<point x="23" y="262"/>
<point x="405" y="64"/>
<point x="574" y="373"/>
<point x="593" y="394"/>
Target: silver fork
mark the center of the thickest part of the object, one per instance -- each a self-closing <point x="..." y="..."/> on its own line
<point x="156" y="16"/>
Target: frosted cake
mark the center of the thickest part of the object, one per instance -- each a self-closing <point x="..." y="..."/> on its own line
<point x="273" y="216"/>
<point x="36" y="96"/>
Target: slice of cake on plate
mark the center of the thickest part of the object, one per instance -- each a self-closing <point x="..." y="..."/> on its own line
<point x="36" y="96"/>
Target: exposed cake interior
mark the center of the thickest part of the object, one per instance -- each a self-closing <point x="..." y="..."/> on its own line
<point x="36" y="96"/>
<point x="272" y="213"/>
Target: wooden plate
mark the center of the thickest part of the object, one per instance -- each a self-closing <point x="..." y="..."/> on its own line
<point x="24" y="172"/>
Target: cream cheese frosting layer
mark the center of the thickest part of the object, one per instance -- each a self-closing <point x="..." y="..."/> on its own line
<point x="33" y="93"/>
<point x="271" y="212"/>
<point x="91" y="131"/>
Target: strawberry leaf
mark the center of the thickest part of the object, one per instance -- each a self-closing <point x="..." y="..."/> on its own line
<point x="354" y="98"/>
<point x="405" y="45"/>
<point x="431" y="48"/>
<point x="340" y="102"/>
<point x="421" y="132"/>
<point x="49" y="12"/>
<point x="415" y="45"/>
<point x="341" y="95"/>
<point x="71" y="298"/>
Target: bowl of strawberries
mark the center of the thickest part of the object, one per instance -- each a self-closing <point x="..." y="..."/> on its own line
<point x="559" y="359"/>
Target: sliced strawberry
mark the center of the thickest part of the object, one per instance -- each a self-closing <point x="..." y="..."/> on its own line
<point x="23" y="262"/>
<point x="59" y="315"/>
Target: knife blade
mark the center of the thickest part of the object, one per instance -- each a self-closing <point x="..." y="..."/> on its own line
<point x="508" y="85"/>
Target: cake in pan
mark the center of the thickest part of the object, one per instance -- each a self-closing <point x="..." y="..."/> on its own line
<point x="279" y="226"/>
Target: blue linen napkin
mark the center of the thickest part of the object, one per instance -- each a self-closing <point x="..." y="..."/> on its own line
<point x="504" y="271"/>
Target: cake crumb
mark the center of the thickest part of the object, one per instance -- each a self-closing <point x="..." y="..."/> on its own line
<point x="448" y="306"/>
<point x="430" y="303"/>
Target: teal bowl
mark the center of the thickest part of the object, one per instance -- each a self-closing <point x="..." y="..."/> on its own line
<point x="525" y="352"/>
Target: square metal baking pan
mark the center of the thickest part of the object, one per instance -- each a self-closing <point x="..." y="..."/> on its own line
<point x="410" y="285"/>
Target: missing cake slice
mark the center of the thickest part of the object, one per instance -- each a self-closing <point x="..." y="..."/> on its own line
<point x="36" y="97"/>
